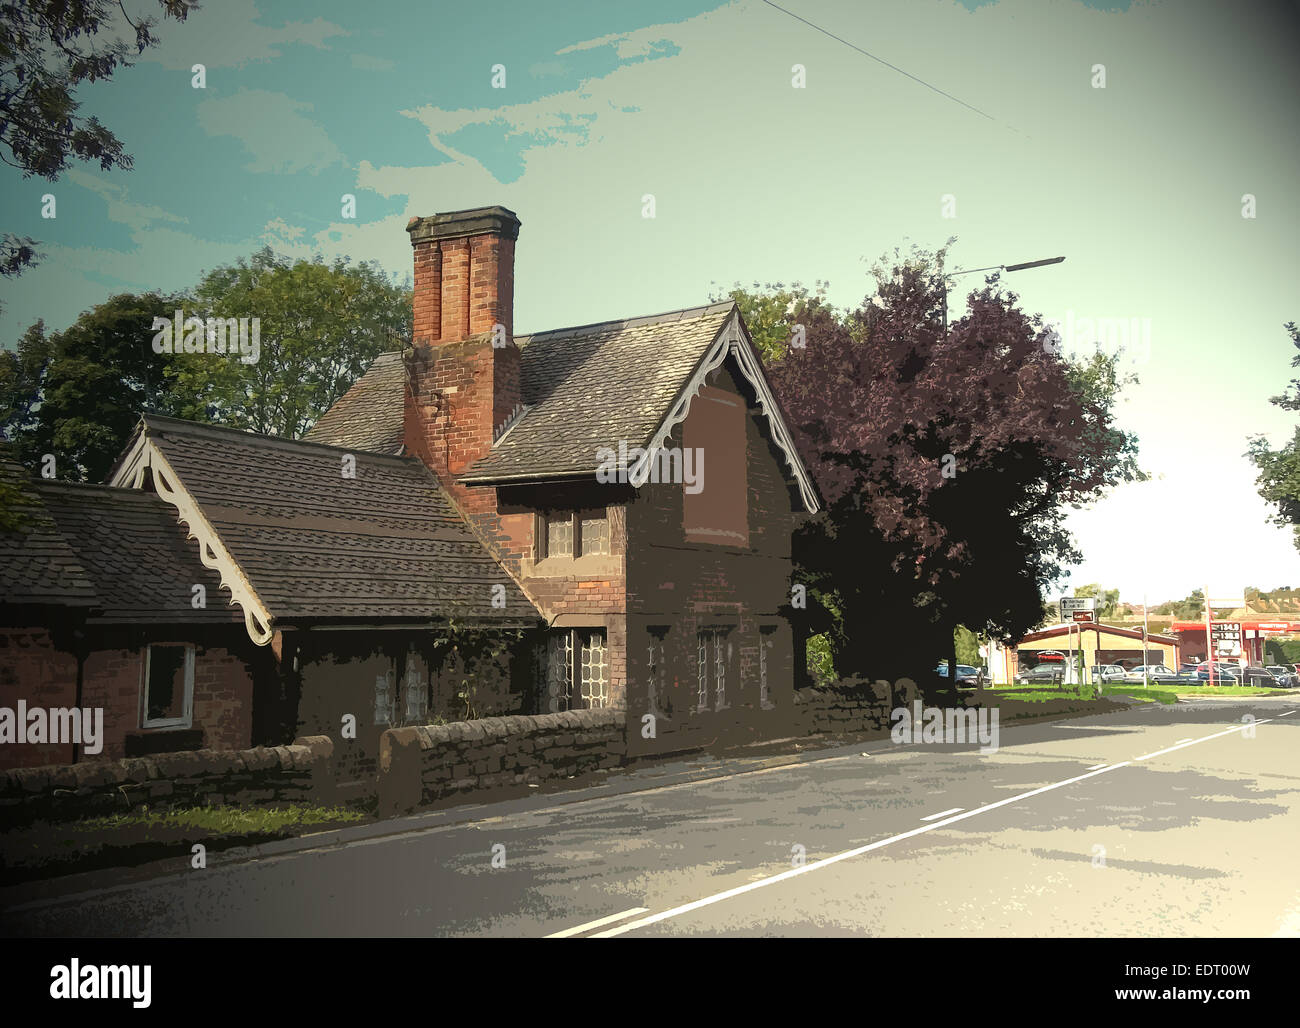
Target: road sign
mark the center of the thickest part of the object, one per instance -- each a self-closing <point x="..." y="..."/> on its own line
<point x="1069" y="604"/>
<point x="1083" y="616"/>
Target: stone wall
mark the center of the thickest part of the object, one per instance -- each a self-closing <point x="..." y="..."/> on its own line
<point x="852" y="705"/>
<point x="265" y="774"/>
<point x="427" y="763"/>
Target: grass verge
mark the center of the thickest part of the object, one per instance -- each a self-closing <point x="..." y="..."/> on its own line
<point x="47" y="848"/>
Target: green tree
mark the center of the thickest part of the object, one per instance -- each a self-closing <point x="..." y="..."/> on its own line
<point x="967" y="647"/>
<point x="1278" y="480"/>
<point x="1107" y="599"/>
<point x="99" y="375"/>
<point x="767" y="310"/>
<point x="1190" y="609"/>
<point x="319" y="327"/>
<point x="22" y="385"/>
<point x="47" y="49"/>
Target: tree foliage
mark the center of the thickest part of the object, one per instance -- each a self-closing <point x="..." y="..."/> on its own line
<point x="78" y="394"/>
<point x="1107" y="599"/>
<point x="320" y="327"/>
<point x="1191" y="608"/>
<point x="947" y="463"/>
<point x="47" y="49"/>
<point x="1278" y="480"/>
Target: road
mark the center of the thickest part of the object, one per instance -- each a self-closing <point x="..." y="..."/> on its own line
<point x="1158" y="821"/>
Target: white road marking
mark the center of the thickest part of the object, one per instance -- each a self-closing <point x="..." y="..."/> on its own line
<point x="1097" y="767"/>
<point x="1181" y="741"/>
<point x="1204" y="738"/>
<point x="599" y="923"/>
<point x="846" y="855"/>
<point x="943" y="813"/>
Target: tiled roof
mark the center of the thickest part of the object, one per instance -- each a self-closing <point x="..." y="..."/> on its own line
<point x="316" y="544"/>
<point x="137" y="554"/>
<point x="37" y="565"/>
<point x="369" y="415"/>
<point x="596" y="385"/>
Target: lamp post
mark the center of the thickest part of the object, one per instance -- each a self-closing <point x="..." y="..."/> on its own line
<point x="952" y="659"/>
<point x="996" y="267"/>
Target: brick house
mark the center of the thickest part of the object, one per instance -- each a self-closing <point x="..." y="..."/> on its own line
<point x="610" y="507"/>
<point x="98" y="610"/>
<point x="567" y="450"/>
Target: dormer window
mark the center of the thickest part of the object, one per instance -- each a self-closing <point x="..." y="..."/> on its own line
<point x="568" y="533"/>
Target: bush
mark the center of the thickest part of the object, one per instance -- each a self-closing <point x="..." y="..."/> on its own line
<point x="821" y="669"/>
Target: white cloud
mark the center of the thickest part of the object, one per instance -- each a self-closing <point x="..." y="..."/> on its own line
<point x="275" y="134"/>
<point x="120" y="209"/>
<point x="230" y="35"/>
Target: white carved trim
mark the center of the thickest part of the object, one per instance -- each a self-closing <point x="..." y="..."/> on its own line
<point x="732" y="341"/>
<point x="214" y="555"/>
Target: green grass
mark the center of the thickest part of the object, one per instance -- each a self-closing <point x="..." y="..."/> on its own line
<point x="1035" y="695"/>
<point x="1223" y="690"/>
<point x="1139" y="692"/>
<point x="221" y="820"/>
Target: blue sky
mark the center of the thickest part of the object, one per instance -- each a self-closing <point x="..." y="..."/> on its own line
<point x="1139" y="184"/>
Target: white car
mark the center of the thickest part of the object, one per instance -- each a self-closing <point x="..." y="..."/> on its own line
<point x="1152" y="672"/>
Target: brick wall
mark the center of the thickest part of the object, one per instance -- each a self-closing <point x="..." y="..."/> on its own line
<point x="33" y="668"/>
<point x="423" y="765"/>
<point x="280" y="774"/>
<point x="695" y="586"/>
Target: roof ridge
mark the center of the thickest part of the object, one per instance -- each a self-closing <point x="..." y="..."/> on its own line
<point x="680" y="314"/>
<point x="162" y="421"/>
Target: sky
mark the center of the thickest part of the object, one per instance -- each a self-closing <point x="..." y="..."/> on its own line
<point x="570" y="114"/>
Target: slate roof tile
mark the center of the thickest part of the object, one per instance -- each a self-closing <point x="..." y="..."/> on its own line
<point x="369" y="415"/>
<point x="37" y="564"/>
<point x="314" y="544"/>
<point x="596" y="385"/>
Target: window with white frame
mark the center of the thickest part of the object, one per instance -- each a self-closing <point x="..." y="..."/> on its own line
<point x="168" y="700"/>
<point x="713" y="654"/>
<point x="577" y="670"/>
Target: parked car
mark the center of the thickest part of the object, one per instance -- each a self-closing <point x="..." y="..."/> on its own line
<point x="1220" y="671"/>
<point x="967" y="676"/>
<point x="1158" y="673"/>
<point x="1106" y="673"/>
<point x="1285" y="678"/>
<point x="1258" y="678"/>
<point x="1042" y="674"/>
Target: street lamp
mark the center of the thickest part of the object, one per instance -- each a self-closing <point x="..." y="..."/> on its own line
<point x="952" y="659"/>
<point x="996" y="267"/>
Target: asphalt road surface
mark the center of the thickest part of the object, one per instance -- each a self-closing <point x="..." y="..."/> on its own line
<point x="1158" y="821"/>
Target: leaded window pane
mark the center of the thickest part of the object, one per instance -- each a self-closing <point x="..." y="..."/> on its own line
<point x="559" y="535"/>
<point x="595" y="670"/>
<point x="595" y="535"/>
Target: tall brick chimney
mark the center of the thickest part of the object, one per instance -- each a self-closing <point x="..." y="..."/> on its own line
<point x="463" y="376"/>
